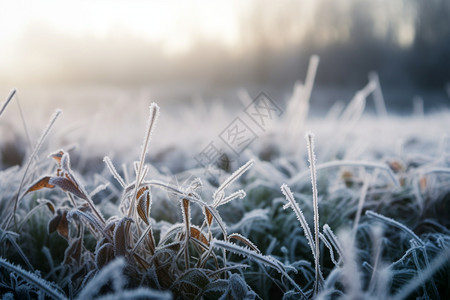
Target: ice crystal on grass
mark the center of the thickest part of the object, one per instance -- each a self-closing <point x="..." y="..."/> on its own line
<point x="300" y="217"/>
<point x="312" y="166"/>
<point x="49" y="288"/>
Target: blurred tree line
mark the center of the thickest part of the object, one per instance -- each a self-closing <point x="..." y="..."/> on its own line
<point x="406" y="41"/>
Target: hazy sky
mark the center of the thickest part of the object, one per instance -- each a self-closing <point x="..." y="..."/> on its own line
<point x="170" y="22"/>
<point x="72" y="41"/>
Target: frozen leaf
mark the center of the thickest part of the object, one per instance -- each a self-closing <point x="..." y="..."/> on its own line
<point x="208" y="215"/>
<point x="238" y="287"/>
<point x="253" y="255"/>
<point x="220" y="285"/>
<point x="186" y="212"/>
<point x="244" y="240"/>
<point x="40" y="184"/>
<point x="141" y="192"/>
<point x="57" y="156"/>
<point x="143" y="205"/>
<point x="65" y="162"/>
<point x="31" y="278"/>
<point x="59" y="223"/>
<point x="218" y="218"/>
<point x="49" y="204"/>
<point x="103" y="255"/>
<point x="92" y="219"/>
<point x="120" y="240"/>
<point x="187" y="220"/>
<point x="197" y="234"/>
<point x="193" y="281"/>
<point x="67" y="185"/>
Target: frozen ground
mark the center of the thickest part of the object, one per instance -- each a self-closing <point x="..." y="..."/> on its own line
<point x="396" y="166"/>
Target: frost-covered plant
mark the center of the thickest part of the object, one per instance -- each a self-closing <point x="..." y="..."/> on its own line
<point x="182" y="250"/>
<point x="114" y="234"/>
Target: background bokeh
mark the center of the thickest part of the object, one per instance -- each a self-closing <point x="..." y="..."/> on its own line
<point x="177" y="50"/>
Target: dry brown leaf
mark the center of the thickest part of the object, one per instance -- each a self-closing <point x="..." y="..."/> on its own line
<point x="49" y="204"/>
<point x="151" y="241"/>
<point x="186" y="207"/>
<point x="209" y="216"/>
<point x="141" y="191"/>
<point x="186" y="215"/>
<point x="40" y="184"/>
<point x="197" y="234"/>
<point x="57" y="156"/>
<point x="53" y="224"/>
<point x="143" y="205"/>
<point x="51" y="207"/>
<point x="60" y="224"/>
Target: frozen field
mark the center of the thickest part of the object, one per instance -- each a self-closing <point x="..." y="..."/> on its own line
<point x="376" y="227"/>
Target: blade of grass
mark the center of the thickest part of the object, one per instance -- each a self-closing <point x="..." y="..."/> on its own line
<point x="312" y="166"/>
<point x="153" y="118"/>
<point x="30" y="159"/>
<point x="36" y="281"/>
<point x="11" y="95"/>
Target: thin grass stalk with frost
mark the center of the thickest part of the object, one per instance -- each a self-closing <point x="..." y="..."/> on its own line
<point x="312" y="166"/>
<point x="33" y="279"/>
<point x="298" y="212"/>
<point x="412" y="285"/>
<point x="113" y="171"/>
<point x="30" y="159"/>
<point x="153" y="118"/>
<point x="386" y="220"/>
<point x="11" y="95"/>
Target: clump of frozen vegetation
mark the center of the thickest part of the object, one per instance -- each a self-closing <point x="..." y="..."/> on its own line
<point x="363" y="211"/>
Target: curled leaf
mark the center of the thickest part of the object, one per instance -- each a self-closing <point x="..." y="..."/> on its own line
<point x="60" y="224"/>
<point x="68" y="186"/>
<point x="141" y="191"/>
<point x="143" y="205"/>
<point x="57" y="156"/>
<point x="49" y="204"/>
<point x="40" y="184"/>
<point x="208" y="215"/>
<point x="65" y="162"/>
<point x="244" y="240"/>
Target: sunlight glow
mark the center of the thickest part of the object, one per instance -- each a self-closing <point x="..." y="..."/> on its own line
<point x="173" y="23"/>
